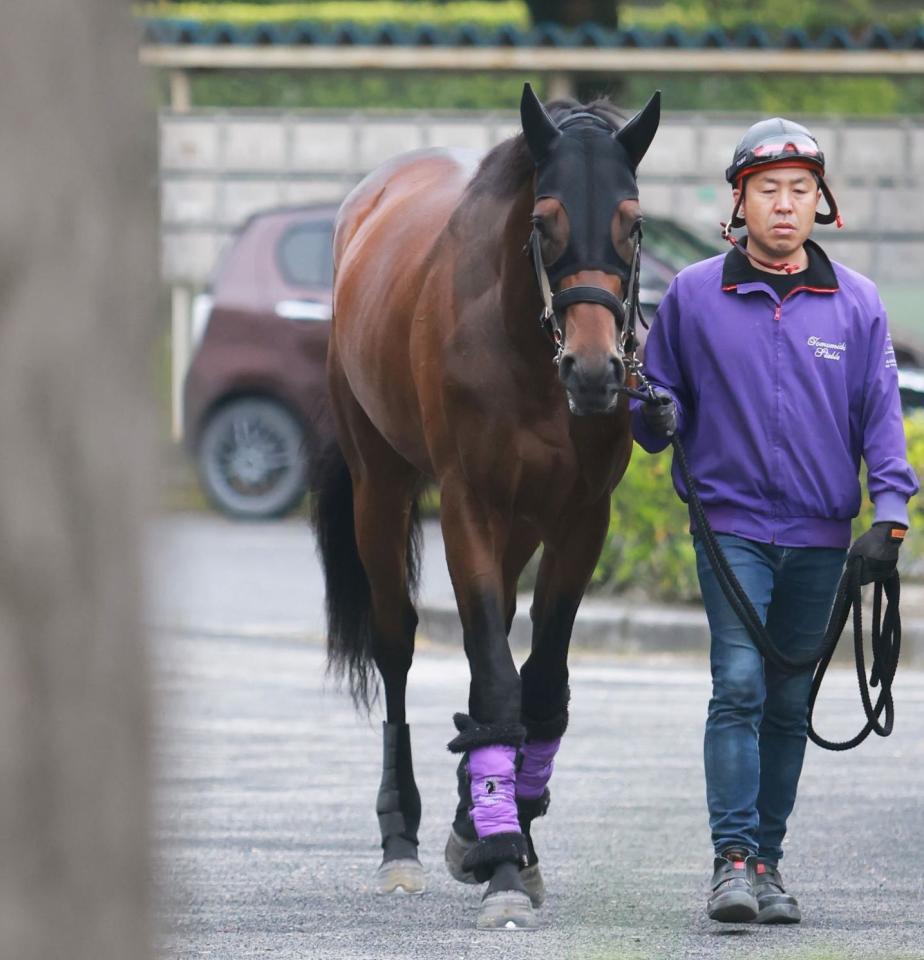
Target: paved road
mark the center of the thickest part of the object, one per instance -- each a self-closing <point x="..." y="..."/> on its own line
<point x="266" y="834"/>
<point x="211" y="574"/>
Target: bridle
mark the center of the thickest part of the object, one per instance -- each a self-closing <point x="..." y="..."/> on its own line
<point x="625" y="312"/>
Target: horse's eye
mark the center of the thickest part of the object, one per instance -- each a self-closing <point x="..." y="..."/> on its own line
<point x="538" y="225"/>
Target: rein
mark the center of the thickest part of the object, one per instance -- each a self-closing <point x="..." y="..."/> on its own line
<point x="625" y="312"/>
<point x="886" y="633"/>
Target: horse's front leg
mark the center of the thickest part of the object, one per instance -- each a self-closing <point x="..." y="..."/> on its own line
<point x="568" y="562"/>
<point x="491" y="734"/>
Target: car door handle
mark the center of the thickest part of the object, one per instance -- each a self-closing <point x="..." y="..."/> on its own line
<point x="303" y="310"/>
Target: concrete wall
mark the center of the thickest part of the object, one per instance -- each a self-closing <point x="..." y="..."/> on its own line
<point x="217" y="167"/>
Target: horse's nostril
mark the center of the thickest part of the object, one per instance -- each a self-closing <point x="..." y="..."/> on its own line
<point x="566" y="366"/>
<point x="618" y="369"/>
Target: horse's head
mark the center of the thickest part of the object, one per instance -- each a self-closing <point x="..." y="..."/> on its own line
<point x="586" y="218"/>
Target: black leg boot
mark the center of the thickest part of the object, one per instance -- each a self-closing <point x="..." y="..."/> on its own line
<point x="398" y="809"/>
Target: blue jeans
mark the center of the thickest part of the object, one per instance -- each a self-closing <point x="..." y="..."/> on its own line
<point x="758" y="714"/>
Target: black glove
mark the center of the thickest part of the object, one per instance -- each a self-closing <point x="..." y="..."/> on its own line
<point x="878" y="551"/>
<point x="660" y="413"/>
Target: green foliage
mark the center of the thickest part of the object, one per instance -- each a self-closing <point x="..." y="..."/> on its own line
<point x="649" y="544"/>
<point x="772" y="15"/>
<point x="839" y="96"/>
<point x="779" y="95"/>
<point x="371" y="90"/>
<point x="365" y="12"/>
<point x="692" y="15"/>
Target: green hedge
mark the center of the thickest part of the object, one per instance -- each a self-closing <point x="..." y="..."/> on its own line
<point x="351" y="91"/>
<point x="691" y="15"/>
<point x="649" y="545"/>
<point x="365" y="12"/>
<point x="773" y="15"/>
<point x="832" y="96"/>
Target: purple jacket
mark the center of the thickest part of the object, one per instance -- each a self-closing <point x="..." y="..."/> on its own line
<point x="777" y="401"/>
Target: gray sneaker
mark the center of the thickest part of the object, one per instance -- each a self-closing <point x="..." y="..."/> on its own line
<point x="732" y="899"/>
<point x="774" y="904"/>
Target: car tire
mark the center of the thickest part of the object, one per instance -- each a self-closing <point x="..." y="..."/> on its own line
<point x="252" y="459"/>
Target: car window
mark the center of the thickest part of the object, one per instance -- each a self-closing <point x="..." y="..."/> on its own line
<point x="305" y="255"/>
<point x="674" y="245"/>
<point x="654" y="278"/>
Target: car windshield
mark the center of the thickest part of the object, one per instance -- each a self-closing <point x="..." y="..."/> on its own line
<point x="305" y="255"/>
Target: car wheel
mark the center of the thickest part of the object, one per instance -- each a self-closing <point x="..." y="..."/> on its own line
<point x="252" y="459"/>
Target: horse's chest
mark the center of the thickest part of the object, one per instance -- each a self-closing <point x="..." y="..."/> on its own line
<point x="556" y="472"/>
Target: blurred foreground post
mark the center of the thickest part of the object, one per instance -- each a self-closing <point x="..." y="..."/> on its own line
<point x="78" y="265"/>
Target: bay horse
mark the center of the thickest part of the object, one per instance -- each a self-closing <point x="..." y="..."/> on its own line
<point x="439" y="373"/>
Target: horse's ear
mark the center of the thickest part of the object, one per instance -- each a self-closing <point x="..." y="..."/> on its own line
<point x="637" y="134"/>
<point x="538" y="127"/>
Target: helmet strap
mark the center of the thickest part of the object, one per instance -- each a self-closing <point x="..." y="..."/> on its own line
<point x="734" y="220"/>
<point x="784" y="267"/>
<point x="832" y="216"/>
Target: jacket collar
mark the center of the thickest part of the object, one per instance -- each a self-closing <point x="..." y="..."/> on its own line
<point x="818" y="276"/>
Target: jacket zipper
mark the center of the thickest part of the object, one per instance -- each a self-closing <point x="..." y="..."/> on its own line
<point x="777" y="315"/>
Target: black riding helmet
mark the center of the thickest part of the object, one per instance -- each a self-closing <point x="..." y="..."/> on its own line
<point x="779" y="143"/>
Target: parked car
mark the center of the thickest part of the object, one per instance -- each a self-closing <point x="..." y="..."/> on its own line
<point x="255" y="393"/>
<point x="911" y="388"/>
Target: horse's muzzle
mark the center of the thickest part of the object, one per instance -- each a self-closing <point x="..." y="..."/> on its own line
<point x="592" y="384"/>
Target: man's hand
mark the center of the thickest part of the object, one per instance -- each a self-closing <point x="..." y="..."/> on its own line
<point x="878" y="549"/>
<point x="660" y="413"/>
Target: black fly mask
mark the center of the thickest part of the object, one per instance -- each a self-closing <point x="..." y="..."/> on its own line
<point x="589" y="168"/>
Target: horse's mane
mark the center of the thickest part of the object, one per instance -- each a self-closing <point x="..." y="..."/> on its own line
<point x="505" y="169"/>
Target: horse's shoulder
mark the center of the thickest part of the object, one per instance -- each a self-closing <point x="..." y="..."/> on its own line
<point x="434" y="170"/>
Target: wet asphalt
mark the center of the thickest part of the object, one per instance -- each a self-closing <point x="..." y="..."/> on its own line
<point x="266" y="838"/>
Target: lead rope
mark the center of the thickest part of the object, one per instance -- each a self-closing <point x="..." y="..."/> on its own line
<point x="886" y="631"/>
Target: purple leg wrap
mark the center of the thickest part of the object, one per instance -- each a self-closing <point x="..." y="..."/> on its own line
<point x="538" y="759"/>
<point x="492" y="772"/>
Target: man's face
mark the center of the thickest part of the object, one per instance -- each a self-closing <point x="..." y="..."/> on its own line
<point x="779" y="209"/>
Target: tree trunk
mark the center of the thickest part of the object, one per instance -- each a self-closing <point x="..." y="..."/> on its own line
<point x="78" y="262"/>
<point x="575" y="12"/>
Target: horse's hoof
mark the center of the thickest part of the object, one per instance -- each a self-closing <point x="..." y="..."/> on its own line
<point x="507" y="910"/>
<point x="532" y="881"/>
<point x="456" y="848"/>
<point x="400" y="876"/>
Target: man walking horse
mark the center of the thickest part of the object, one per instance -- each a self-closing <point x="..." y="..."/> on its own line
<point x="440" y="373"/>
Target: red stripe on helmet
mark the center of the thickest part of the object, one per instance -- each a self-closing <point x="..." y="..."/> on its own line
<point x="772" y="165"/>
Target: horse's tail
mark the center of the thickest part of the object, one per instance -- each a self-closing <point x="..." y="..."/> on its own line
<point x="349" y="601"/>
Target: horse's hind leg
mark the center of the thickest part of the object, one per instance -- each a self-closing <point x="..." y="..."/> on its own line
<point x="387" y="540"/>
<point x="385" y="525"/>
